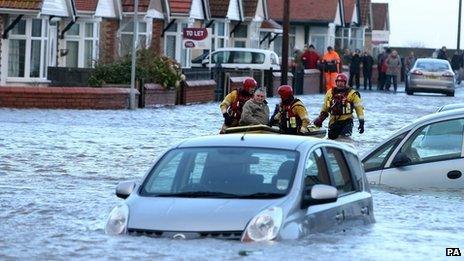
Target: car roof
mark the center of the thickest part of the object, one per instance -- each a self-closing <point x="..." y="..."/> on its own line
<point x="273" y="141"/>
<point x="451" y="106"/>
<point x="432" y="60"/>
<point x="244" y="50"/>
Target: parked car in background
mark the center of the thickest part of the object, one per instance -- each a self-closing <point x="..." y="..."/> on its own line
<point x="240" y="58"/>
<point x="427" y="153"/>
<point x="253" y="187"/>
<point x="431" y="75"/>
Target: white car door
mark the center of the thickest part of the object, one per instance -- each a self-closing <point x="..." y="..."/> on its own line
<point x="432" y="157"/>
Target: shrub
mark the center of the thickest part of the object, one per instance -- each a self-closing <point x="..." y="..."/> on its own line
<point x="151" y="67"/>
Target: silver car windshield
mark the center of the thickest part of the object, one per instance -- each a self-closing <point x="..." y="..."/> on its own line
<point x="222" y="172"/>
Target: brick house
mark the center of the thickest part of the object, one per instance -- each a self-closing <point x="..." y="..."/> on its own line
<point x="380" y="26"/>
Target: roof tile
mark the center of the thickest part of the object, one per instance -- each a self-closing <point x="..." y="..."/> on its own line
<point x="379" y="16"/>
<point x="180" y="6"/>
<point x="305" y="10"/>
<point x="365" y="11"/>
<point x="219" y="8"/>
<point x="86" y="5"/>
<point x="250" y="6"/>
<point x="349" y="10"/>
<point x="22" y="4"/>
<point x="128" y="5"/>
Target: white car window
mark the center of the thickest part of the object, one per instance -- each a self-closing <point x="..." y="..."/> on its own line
<point x="242" y="57"/>
<point x="377" y="159"/>
<point x="339" y="171"/>
<point x="316" y="169"/>
<point x="221" y="57"/>
<point x="437" y="141"/>
<point x="258" y="58"/>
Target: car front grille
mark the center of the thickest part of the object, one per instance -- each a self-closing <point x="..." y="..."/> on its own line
<point x="232" y="235"/>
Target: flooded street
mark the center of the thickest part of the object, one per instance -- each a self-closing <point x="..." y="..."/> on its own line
<point x="59" y="169"/>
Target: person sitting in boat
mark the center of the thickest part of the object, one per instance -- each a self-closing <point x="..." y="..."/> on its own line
<point x="255" y="111"/>
<point x="290" y="114"/>
<point x="231" y="106"/>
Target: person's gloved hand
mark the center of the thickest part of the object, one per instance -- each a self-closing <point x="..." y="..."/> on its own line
<point x="227" y="119"/>
<point x="304" y="130"/>
<point x="361" y="126"/>
<point x="322" y="116"/>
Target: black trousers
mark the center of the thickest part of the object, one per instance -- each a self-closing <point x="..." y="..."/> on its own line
<point x="381" y="82"/>
<point x="354" y="75"/>
<point x="367" y="79"/>
<point x="338" y="128"/>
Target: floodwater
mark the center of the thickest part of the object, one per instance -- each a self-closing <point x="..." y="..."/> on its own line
<point x="59" y="169"/>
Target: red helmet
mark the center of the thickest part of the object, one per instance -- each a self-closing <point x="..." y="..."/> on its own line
<point x="285" y="91"/>
<point x="249" y="84"/>
<point x="341" y="77"/>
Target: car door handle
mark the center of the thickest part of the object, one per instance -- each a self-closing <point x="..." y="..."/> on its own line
<point x="340" y="216"/>
<point x="365" y="211"/>
<point x="454" y="174"/>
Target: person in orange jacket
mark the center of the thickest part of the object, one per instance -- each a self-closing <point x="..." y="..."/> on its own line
<point x="331" y="62"/>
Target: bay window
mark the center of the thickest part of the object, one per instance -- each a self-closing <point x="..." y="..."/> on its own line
<point x="81" y="43"/>
<point x="127" y="32"/>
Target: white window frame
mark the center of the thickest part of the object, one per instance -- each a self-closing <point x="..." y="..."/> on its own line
<point x="218" y="37"/>
<point x="323" y="50"/>
<point x="147" y="33"/>
<point x="291" y="42"/>
<point x="81" y="38"/>
<point x="243" y="39"/>
<point x="29" y="38"/>
<point x="179" y="25"/>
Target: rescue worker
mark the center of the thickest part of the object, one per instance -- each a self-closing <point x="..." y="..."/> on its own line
<point x="331" y="63"/>
<point x="231" y="106"/>
<point x="290" y="114"/>
<point x="339" y="104"/>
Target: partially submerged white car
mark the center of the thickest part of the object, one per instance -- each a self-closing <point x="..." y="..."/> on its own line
<point x="427" y="153"/>
<point x="250" y="187"/>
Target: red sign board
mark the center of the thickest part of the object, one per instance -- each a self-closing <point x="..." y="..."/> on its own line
<point x="197" y="38"/>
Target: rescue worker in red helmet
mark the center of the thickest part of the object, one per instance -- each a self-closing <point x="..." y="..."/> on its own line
<point x="290" y="114"/>
<point x="339" y="103"/>
<point x="231" y="106"/>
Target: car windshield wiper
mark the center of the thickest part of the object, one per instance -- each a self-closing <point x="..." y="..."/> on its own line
<point x="199" y="194"/>
<point x="263" y="195"/>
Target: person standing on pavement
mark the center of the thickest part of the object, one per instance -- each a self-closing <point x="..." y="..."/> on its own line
<point x="355" y="69"/>
<point x="255" y="111"/>
<point x="310" y="57"/>
<point x="232" y="105"/>
<point x="382" y="68"/>
<point x="290" y="114"/>
<point x="367" y="62"/>
<point x="347" y="57"/>
<point x="331" y="63"/>
<point x="456" y="65"/>
<point x="339" y="103"/>
<point x="408" y="64"/>
<point x="298" y="66"/>
<point x="393" y="64"/>
<point x="442" y="54"/>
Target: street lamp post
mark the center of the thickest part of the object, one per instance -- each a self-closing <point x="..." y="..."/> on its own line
<point x="459" y="25"/>
<point x="134" y="55"/>
<point x="286" y="22"/>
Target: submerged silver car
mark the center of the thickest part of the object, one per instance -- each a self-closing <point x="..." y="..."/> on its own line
<point x="252" y="187"/>
<point x="431" y="75"/>
<point x="427" y="153"/>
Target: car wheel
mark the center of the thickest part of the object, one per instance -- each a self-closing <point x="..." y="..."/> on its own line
<point x="409" y="92"/>
<point x="450" y="94"/>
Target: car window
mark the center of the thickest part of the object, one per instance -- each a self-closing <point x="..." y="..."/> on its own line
<point x="339" y="171"/>
<point x="237" y="171"/>
<point x="316" y="169"/>
<point x="432" y="66"/>
<point x="356" y="168"/>
<point x="377" y="159"/>
<point x="274" y="59"/>
<point x="258" y="58"/>
<point x="434" y="142"/>
<point x="220" y="57"/>
<point x="242" y="57"/>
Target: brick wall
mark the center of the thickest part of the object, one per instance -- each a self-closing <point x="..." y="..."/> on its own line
<point x="2" y="22"/>
<point x="65" y="97"/>
<point x="108" y="40"/>
<point x="157" y="43"/>
<point x="199" y="91"/>
<point x="156" y="95"/>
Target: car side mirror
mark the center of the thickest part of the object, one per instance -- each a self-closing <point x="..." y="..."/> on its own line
<point x="205" y="61"/>
<point x="401" y="159"/>
<point x="124" y="189"/>
<point x="319" y="194"/>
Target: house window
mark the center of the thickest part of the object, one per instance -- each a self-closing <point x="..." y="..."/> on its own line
<point x="241" y="36"/>
<point x="220" y="36"/>
<point x="127" y="31"/>
<point x="81" y="45"/>
<point x="173" y="44"/>
<point x="319" y="43"/>
<point x="291" y="42"/>
<point x="27" y="49"/>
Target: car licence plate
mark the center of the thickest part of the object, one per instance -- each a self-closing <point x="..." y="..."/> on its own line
<point x="432" y="77"/>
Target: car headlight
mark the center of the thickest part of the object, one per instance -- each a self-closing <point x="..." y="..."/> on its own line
<point x="264" y="226"/>
<point x="117" y="220"/>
